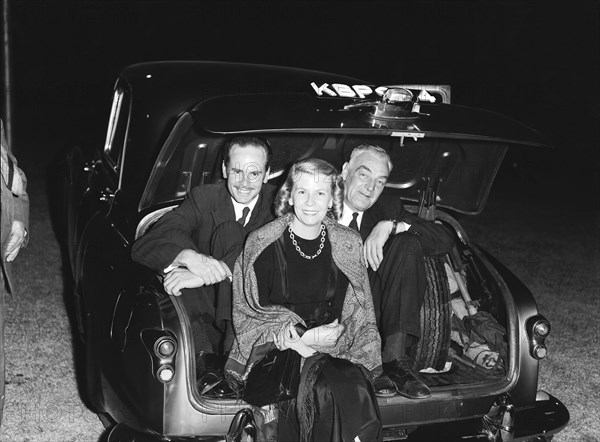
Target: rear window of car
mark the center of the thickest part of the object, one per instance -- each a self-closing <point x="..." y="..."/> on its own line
<point x="191" y="156"/>
<point x="461" y="171"/>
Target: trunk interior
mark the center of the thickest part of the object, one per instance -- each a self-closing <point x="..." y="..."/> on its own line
<point x="472" y="353"/>
<point x="475" y="328"/>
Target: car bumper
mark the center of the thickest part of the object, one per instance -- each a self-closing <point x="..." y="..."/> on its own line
<point x="543" y="419"/>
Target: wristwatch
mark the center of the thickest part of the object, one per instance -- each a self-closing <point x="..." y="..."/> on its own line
<point x="394" y="227"/>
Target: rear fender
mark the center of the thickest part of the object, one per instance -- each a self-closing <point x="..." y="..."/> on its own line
<point x="525" y="307"/>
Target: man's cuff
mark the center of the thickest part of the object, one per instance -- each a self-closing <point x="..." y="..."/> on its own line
<point x="395" y="224"/>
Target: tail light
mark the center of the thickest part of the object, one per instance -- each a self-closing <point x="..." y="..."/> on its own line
<point x="165" y="373"/>
<point x="162" y="347"/>
<point x="165" y="347"/>
<point x="538" y="329"/>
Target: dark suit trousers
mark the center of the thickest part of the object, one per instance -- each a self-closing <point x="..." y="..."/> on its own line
<point x="209" y="307"/>
<point x="398" y="288"/>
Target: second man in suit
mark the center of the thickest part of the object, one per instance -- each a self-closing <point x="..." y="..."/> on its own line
<point x="395" y="242"/>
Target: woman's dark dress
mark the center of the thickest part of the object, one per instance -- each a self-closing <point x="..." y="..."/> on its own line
<point x="343" y="403"/>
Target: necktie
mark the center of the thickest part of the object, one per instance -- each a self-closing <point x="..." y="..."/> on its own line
<point x="353" y="224"/>
<point x="245" y="213"/>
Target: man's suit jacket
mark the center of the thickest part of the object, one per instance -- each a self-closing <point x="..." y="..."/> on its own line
<point x="435" y="238"/>
<point x="191" y="225"/>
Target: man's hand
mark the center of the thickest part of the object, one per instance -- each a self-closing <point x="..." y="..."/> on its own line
<point x="16" y="240"/>
<point x="373" y="248"/>
<point x="323" y="336"/>
<point x="181" y="278"/>
<point x="206" y="267"/>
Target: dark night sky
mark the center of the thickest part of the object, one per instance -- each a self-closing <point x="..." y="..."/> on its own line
<point x="534" y="61"/>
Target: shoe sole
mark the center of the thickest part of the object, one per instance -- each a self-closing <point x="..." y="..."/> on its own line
<point x="388" y="394"/>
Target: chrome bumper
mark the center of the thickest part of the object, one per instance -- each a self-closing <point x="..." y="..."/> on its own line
<point x="503" y="423"/>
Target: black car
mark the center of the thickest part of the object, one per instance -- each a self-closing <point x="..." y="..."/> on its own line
<point x="167" y="125"/>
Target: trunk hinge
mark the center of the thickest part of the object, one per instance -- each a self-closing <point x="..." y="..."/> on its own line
<point x="427" y="201"/>
<point x="431" y="184"/>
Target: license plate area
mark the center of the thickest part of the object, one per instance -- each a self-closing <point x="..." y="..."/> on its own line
<point x="392" y="434"/>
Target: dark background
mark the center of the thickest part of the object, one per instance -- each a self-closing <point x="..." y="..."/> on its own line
<point x="534" y="61"/>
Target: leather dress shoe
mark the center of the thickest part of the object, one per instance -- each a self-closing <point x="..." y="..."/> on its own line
<point x="383" y="386"/>
<point x="407" y="384"/>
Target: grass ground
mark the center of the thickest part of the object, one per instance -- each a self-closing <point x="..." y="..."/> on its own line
<point x="42" y="397"/>
<point x="550" y="238"/>
<point x="551" y="244"/>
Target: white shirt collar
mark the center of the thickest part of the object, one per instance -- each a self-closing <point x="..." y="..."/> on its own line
<point x="239" y="208"/>
<point x="347" y="216"/>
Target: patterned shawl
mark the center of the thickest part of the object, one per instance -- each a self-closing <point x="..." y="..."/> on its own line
<point x="254" y="324"/>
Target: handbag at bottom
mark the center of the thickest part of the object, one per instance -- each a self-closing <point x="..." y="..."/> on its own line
<point x="243" y="427"/>
<point x="275" y="378"/>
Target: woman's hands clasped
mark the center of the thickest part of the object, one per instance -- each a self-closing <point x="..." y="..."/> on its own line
<point x="288" y="337"/>
<point x="319" y="337"/>
<point x="324" y="336"/>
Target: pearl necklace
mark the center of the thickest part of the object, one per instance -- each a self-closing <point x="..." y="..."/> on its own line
<point x="295" y="243"/>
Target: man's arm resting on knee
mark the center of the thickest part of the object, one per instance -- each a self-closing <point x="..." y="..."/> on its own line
<point x="206" y="267"/>
<point x="181" y="278"/>
<point x="383" y="230"/>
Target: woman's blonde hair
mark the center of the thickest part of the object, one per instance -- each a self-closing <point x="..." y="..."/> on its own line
<point x="311" y="166"/>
